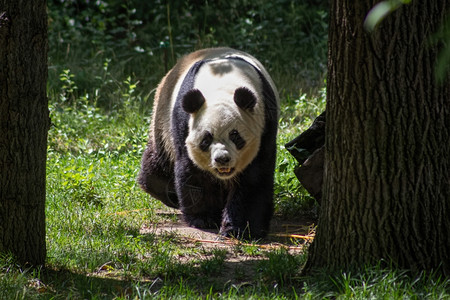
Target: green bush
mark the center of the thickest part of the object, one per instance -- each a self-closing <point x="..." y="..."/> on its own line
<point x="142" y="39"/>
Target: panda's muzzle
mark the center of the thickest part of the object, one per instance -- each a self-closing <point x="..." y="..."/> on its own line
<point x="225" y="171"/>
<point x="222" y="165"/>
<point x="222" y="162"/>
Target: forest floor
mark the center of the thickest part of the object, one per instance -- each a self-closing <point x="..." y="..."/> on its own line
<point x="290" y="235"/>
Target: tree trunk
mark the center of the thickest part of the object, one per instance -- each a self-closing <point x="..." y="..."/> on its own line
<point x="386" y="191"/>
<point x="24" y="123"/>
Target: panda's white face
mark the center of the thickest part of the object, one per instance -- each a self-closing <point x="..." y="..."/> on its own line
<point x="226" y="117"/>
<point x="223" y="140"/>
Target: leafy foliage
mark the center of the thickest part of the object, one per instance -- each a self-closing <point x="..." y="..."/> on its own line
<point x="142" y="39"/>
<point x="380" y="11"/>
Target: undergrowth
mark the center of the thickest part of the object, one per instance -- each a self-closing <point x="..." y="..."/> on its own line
<point x="143" y="40"/>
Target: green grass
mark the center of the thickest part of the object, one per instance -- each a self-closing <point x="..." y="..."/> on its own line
<point x="95" y="213"/>
<point x="194" y="281"/>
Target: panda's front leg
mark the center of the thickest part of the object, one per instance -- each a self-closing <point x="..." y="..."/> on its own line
<point x="249" y="210"/>
<point x="201" y="199"/>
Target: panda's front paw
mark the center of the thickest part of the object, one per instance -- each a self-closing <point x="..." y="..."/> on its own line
<point x="200" y="222"/>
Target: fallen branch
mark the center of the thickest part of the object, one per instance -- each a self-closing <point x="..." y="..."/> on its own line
<point x="295" y="236"/>
<point x="239" y="243"/>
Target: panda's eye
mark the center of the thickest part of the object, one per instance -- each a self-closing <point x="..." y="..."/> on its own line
<point x="206" y="142"/>
<point x="236" y="138"/>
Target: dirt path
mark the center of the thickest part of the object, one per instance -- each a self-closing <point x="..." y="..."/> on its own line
<point x="241" y="258"/>
<point x="291" y="234"/>
<point x="280" y="229"/>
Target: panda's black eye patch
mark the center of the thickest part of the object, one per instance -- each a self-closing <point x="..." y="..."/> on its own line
<point x="236" y="138"/>
<point x="206" y="142"/>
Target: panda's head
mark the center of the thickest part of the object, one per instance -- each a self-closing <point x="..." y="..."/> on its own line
<point x="224" y="132"/>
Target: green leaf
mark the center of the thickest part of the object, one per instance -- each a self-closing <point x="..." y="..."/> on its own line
<point x="381" y="11"/>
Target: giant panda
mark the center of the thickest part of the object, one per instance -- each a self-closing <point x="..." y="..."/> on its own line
<point x="212" y="142"/>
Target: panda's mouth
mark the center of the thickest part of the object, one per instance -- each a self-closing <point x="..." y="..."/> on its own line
<point x="225" y="171"/>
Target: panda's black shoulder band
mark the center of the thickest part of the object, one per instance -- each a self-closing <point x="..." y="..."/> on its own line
<point x="180" y="117"/>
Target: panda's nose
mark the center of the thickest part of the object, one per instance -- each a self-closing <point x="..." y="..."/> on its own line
<point x="223" y="159"/>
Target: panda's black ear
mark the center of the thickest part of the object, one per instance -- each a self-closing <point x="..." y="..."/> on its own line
<point x="244" y="98"/>
<point x="192" y="101"/>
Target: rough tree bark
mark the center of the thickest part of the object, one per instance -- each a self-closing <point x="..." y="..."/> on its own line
<point x="386" y="191"/>
<point x="24" y="123"/>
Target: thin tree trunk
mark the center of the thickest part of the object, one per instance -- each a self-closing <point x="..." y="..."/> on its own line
<point x="24" y="123"/>
<point x="386" y="192"/>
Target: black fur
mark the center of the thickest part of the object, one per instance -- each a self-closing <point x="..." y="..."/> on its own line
<point x="206" y="142"/>
<point x="244" y="98"/>
<point x="192" y="101"/>
<point x="236" y="138"/>
<point x="156" y="176"/>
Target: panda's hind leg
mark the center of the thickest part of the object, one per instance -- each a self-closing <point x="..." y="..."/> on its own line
<point x="157" y="180"/>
